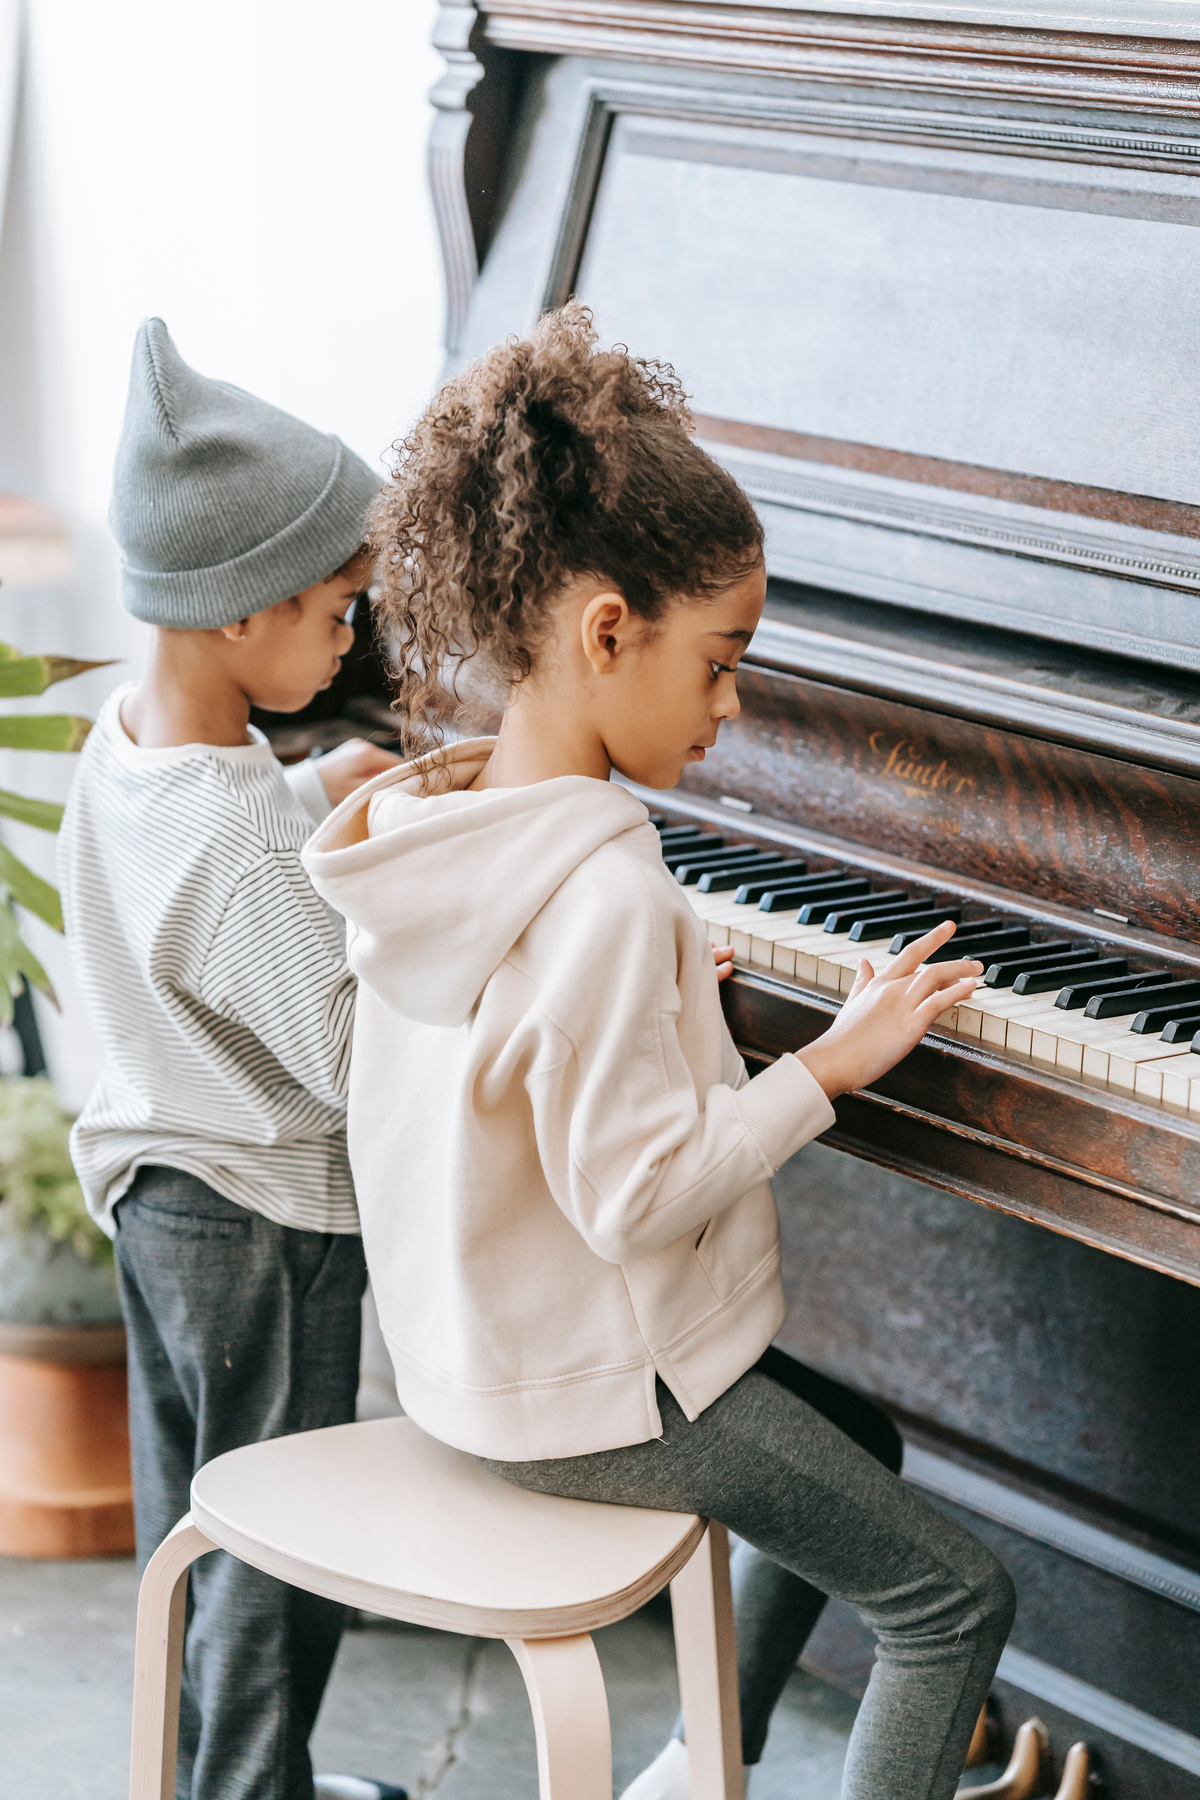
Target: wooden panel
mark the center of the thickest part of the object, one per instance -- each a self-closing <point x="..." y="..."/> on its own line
<point x="1066" y="826"/>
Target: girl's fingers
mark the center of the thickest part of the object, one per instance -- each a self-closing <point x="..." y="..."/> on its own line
<point x="935" y="977"/>
<point x="938" y="1003"/>
<point x="865" y="973"/>
<point x="910" y="959"/>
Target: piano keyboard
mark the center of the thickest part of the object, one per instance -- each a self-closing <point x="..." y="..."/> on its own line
<point x="1069" y="1006"/>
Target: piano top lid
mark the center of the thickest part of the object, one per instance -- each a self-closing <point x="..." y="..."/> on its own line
<point x="1141" y="712"/>
<point x="1119" y="18"/>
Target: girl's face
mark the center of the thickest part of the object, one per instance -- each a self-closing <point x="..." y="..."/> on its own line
<point x="666" y="690"/>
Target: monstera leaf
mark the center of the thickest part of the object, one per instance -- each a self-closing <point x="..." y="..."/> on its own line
<point x="19" y="886"/>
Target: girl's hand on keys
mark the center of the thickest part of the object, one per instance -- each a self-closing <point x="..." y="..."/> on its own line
<point x="723" y="956"/>
<point x="884" y="1016"/>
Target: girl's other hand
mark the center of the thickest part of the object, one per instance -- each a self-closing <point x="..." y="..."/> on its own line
<point x="723" y="955"/>
<point x="884" y="1016"/>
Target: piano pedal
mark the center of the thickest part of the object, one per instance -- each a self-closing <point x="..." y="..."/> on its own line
<point x="1022" y="1778"/>
<point x="1077" y="1779"/>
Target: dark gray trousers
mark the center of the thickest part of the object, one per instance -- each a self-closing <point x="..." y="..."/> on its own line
<point x="775" y="1611"/>
<point x="239" y="1330"/>
<point x="769" y="1465"/>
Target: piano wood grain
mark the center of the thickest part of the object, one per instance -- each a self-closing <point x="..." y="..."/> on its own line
<point x="1053" y="822"/>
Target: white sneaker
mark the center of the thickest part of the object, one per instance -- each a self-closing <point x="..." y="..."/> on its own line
<point x="667" y="1778"/>
<point x="354" y="1787"/>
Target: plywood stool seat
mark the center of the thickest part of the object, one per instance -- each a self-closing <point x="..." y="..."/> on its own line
<point x="383" y="1517"/>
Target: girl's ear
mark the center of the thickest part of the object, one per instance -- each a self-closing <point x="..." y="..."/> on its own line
<point x="606" y="627"/>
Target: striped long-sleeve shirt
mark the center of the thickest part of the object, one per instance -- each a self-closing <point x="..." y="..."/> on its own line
<point x="214" y="975"/>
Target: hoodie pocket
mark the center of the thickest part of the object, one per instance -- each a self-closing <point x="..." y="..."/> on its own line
<point x="736" y="1241"/>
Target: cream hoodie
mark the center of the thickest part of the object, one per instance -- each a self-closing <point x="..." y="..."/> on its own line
<point x="562" y="1169"/>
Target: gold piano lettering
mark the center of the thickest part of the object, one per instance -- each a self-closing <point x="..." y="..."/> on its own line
<point x="902" y="761"/>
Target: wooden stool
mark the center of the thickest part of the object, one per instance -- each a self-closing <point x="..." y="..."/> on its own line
<point x="382" y="1517"/>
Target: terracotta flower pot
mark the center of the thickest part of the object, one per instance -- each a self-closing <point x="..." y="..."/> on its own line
<point x="65" y="1487"/>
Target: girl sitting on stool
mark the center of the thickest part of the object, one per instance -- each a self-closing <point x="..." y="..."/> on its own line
<point x="562" y="1169"/>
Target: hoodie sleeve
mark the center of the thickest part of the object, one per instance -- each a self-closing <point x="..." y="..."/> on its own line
<point x="635" y="1154"/>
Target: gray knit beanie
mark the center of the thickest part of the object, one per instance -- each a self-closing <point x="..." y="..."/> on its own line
<point x="223" y="505"/>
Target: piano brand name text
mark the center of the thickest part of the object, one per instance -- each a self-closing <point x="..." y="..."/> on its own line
<point x="904" y="762"/>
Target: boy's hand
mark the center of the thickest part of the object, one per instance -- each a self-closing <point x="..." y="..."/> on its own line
<point x="884" y="1016"/>
<point x="352" y="763"/>
<point x="723" y="955"/>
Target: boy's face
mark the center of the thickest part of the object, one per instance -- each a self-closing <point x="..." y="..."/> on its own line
<point x="285" y="654"/>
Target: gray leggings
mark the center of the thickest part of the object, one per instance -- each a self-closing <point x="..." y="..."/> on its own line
<point x="776" y="1471"/>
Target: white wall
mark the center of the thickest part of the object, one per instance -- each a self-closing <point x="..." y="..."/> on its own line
<point x="254" y="173"/>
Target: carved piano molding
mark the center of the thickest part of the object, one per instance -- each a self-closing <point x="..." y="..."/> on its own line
<point x="447" y="159"/>
<point x="920" y="55"/>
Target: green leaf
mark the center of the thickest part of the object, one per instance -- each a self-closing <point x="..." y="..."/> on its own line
<point x="7" y="650"/>
<point x="45" y="814"/>
<point x="29" y="890"/>
<point x="17" y="963"/>
<point x="43" y="731"/>
<point x="34" y="674"/>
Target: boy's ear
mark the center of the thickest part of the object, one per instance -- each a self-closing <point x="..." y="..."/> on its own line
<point x="236" y="633"/>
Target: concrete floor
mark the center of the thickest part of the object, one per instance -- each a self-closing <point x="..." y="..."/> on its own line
<point x="439" y="1714"/>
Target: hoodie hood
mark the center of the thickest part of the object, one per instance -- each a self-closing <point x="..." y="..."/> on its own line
<point x="438" y="886"/>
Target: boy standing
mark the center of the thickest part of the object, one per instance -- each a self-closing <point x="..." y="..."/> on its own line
<point x="213" y="1146"/>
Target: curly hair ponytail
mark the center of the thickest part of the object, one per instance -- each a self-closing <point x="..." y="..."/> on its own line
<point x="546" y="460"/>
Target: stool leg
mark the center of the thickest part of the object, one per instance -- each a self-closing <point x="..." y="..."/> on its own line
<point x="706" y="1656"/>
<point x="570" y="1716"/>
<point x="158" y="1662"/>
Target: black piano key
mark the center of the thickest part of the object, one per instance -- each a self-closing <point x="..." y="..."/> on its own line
<point x="981" y="928"/>
<point x="1080" y="992"/>
<point x="1175" y="1030"/>
<point x="903" y="920"/>
<point x="659" y="821"/>
<point x="841" y="918"/>
<point x="1133" y="999"/>
<point x="678" y="834"/>
<point x="694" y="850"/>
<point x="1047" y="978"/>
<point x="896" y="912"/>
<point x="1151" y="1019"/>
<point x="815" y="902"/>
<point x="719" y="881"/>
<point x="699" y="844"/>
<point x="800" y="893"/>
<point x="688" y="869"/>
<point x="805" y="885"/>
<point x="849" y="887"/>
<point x="856" y="901"/>
<point x="979" y="941"/>
<point x="1004" y="971"/>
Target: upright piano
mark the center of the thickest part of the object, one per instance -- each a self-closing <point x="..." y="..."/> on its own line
<point x="931" y="273"/>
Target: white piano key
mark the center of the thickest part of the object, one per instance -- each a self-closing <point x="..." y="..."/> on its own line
<point x="1175" y="1081"/>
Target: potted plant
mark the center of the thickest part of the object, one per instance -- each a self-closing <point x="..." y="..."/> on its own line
<point x="64" y="1444"/>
